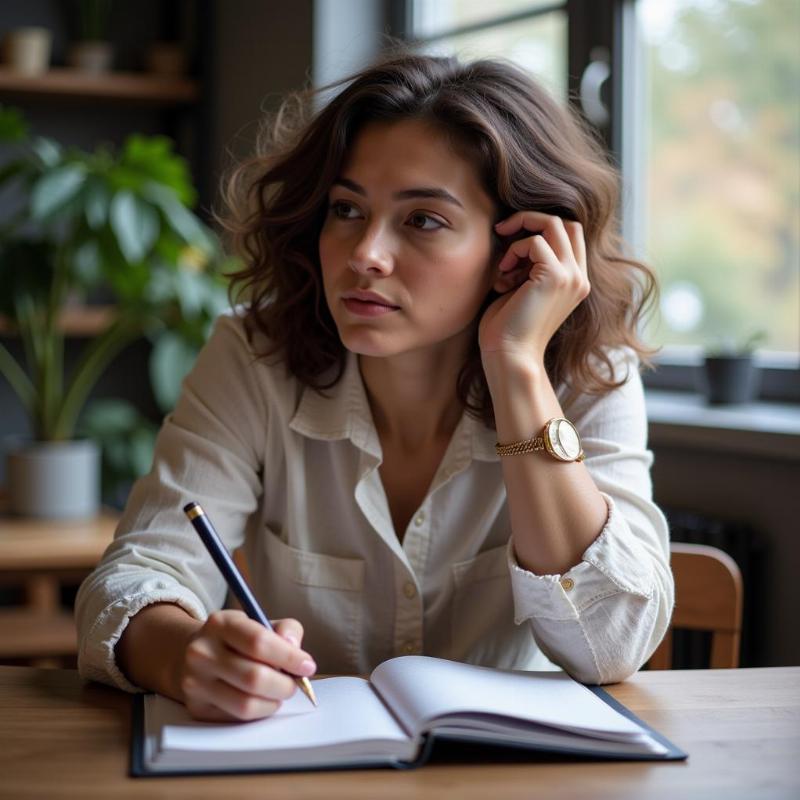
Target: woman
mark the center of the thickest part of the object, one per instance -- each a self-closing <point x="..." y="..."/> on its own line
<point x="435" y="288"/>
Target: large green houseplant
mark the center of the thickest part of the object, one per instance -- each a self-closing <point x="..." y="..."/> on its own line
<point x="86" y="222"/>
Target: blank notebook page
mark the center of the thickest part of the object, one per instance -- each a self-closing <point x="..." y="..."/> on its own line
<point x="421" y="688"/>
<point x="348" y="710"/>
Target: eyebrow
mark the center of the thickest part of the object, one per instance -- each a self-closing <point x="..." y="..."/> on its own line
<point x="418" y="191"/>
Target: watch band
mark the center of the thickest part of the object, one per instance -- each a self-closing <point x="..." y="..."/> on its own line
<point x="518" y="448"/>
<point x="542" y="442"/>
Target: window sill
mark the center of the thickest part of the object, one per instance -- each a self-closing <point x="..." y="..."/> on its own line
<point x="682" y="419"/>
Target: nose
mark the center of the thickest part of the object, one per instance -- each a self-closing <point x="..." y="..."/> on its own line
<point x="371" y="254"/>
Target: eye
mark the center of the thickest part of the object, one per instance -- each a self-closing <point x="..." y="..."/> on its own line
<point x="339" y="209"/>
<point x="420" y="216"/>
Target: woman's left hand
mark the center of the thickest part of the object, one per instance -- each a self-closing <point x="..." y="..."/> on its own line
<point x="543" y="278"/>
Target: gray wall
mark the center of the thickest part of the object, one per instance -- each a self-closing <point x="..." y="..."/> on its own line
<point x="262" y="50"/>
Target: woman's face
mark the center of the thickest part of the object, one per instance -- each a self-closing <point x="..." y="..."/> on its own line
<point x="409" y="221"/>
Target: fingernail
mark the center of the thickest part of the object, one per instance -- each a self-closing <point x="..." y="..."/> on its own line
<point x="498" y="224"/>
<point x="308" y="667"/>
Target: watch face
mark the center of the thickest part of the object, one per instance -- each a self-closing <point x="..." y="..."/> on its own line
<point x="564" y="439"/>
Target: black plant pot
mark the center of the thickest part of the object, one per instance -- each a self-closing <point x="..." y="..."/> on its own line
<point x="730" y="379"/>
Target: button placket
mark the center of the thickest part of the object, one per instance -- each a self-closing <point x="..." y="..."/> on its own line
<point x="408" y="632"/>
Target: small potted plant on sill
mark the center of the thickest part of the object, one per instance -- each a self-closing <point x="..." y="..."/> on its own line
<point x="730" y="374"/>
<point x="88" y="221"/>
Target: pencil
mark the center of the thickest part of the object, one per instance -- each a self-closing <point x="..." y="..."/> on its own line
<point x="222" y="558"/>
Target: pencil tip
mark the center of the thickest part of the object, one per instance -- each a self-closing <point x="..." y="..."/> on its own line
<point x="309" y="691"/>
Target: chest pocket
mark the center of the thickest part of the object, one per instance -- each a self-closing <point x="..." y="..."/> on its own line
<point x="323" y="592"/>
<point x="482" y="622"/>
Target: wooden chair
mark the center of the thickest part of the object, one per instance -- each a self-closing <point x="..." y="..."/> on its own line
<point x="708" y="597"/>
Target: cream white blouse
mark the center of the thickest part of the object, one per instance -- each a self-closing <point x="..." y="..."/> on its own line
<point x="293" y="478"/>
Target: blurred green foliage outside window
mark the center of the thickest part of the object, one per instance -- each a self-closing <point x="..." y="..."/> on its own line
<point x="721" y="190"/>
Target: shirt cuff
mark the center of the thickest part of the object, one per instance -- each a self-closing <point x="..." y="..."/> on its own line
<point x="97" y="659"/>
<point x="615" y="563"/>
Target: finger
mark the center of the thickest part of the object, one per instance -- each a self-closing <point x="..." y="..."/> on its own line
<point x="253" y="677"/>
<point x="210" y="659"/>
<point x="290" y="629"/>
<point x="204" y="712"/>
<point x="253" y="640"/>
<point x="517" y="250"/>
<point x="233" y="702"/>
<point x="513" y="278"/>
<point x="526" y="253"/>
<point x="545" y="267"/>
<point x="578" y="241"/>
<point x="549" y="225"/>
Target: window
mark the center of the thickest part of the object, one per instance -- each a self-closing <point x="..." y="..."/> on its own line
<point x="533" y="33"/>
<point x="719" y="189"/>
<point x="703" y="102"/>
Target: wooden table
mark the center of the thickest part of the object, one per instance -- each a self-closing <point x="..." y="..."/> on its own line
<point x="63" y="738"/>
<point x="40" y="556"/>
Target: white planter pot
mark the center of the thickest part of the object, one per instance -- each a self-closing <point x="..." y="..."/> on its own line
<point x="28" y="50"/>
<point x="93" y="57"/>
<point x="54" y="480"/>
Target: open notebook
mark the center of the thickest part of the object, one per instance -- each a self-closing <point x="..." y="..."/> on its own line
<point x="392" y="720"/>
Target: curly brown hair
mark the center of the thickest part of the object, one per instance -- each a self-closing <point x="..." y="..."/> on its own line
<point x="530" y="153"/>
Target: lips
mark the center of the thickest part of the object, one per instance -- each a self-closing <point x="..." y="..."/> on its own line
<point x="365" y="296"/>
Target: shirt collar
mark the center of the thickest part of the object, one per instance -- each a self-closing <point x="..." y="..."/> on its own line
<point x="344" y="413"/>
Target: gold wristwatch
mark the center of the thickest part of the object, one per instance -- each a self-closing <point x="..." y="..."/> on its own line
<point x="559" y="438"/>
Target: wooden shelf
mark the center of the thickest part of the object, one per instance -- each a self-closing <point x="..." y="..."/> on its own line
<point x="75" y="321"/>
<point x="121" y="87"/>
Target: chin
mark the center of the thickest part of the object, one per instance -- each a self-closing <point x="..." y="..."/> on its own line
<point x="361" y="346"/>
<point x="368" y="343"/>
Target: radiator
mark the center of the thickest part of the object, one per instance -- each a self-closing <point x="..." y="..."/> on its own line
<point x="691" y="649"/>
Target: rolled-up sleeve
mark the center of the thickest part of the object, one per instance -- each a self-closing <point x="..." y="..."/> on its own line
<point x="603" y="618"/>
<point x="209" y="451"/>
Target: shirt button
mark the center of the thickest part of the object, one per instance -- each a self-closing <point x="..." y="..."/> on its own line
<point x="567" y="583"/>
<point x="409" y="590"/>
<point x="419" y="519"/>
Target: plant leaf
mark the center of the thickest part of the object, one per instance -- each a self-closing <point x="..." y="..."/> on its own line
<point x="170" y="362"/>
<point x="179" y="218"/>
<point x="152" y="157"/>
<point x="87" y="262"/>
<point x="13" y="127"/>
<point x="142" y="444"/>
<point x="135" y="225"/>
<point x="56" y="188"/>
<point x="190" y="292"/>
<point x="108" y="416"/>
<point x="47" y="151"/>
<point x="96" y="204"/>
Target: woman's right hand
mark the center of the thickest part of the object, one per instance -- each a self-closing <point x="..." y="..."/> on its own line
<point x="230" y="667"/>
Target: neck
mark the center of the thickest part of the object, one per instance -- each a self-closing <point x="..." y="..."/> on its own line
<point x="413" y="397"/>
